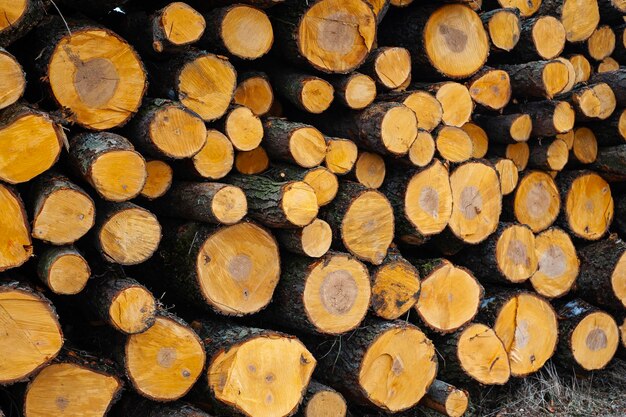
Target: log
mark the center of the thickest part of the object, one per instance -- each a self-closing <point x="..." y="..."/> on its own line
<point x="214" y="161"/>
<point x="379" y="7"/>
<point x="519" y="153"/>
<point x="446" y="399"/>
<point x="252" y="162"/>
<point x="558" y="263"/>
<point x="165" y="361"/>
<point x="332" y="36"/>
<point x="324" y="183"/>
<point x="589" y="337"/>
<point x="294" y="142"/>
<point x="355" y="90"/>
<point x="19" y="18"/>
<point x="477" y="201"/>
<point x="503" y="27"/>
<point x="541" y="38"/>
<point x="490" y="89"/>
<point x="527" y="326"/>
<point x="479" y="138"/>
<point x="166" y="129"/>
<point x="238" y="30"/>
<point x="243" y="128"/>
<point x="445" y="41"/>
<point x="536" y="202"/>
<point x="362" y="221"/>
<point x="550" y="117"/>
<point x="158" y="180"/>
<point x="474" y="353"/>
<point x="579" y="18"/>
<point x="616" y="79"/>
<point x="611" y="131"/>
<point x="25" y="311"/>
<point x="456" y="101"/>
<point x="538" y="79"/>
<point x="508" y="174"/>
<point x="125" y="233"/>
<point x="232" y="270"/>
<point x="601" y="44"/>
<point x="30" y="141"/>
<point x="422" y="151"/>
<point x="568" y="138"/>
<point x="601" y="279"/>
<point x="507" y="256"/>
<point x="592" y="102"/>
<point x="421" y="200"/>
<point x="585" y="146"/>
<point x="424" y="104"/>
<point x="12" y="78"/>
<point x="15" y="241"/>
<point x="61" y="211"/>
<point x="304" y="91"/>
<point x="313" y="240"/>
<point x="279" y="370"/>
<point x="209" y="202"/>
<point x="587" y="204"/>
<point x="526" y="8"/>
<point x="341" y="155"/>
<point x="552" y="154"/>
<point x="450" y="295"/>
<point x="284" y="204"/>
<point x="582" y="68"/>
<point x="608" y="65"/>
<point x="109" y="78"/>
<point x="322" y="400"/>
<point x="388" y="66"/>
<point x="201" y="81"/>
<point x="453" y="144"/>
<point x="122" y="303"/>
<point x="63" y="269"/>
<point x="410" y="360"/>
<point x="369" y="170"/>
<point x="506" y="129"/>
<point x="255" y="92"/>
<point x="328" y="296"/>
<point x="76" y="383"/>
<point x="97" y="158"/>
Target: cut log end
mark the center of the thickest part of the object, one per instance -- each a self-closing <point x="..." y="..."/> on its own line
<point x="176" y="132"/>
<point x="165" y="361"/>
<point x="585" y="146"/>
<point x="255" y="92"/>
<point x="580" y="18"/>
<point x="252" y="162"/>
<point x="483" y="356"/>
<point x="515" y="253"/>
<point x="15" y="242"/>
<point x="336" y="36"/>
<point x="158" y="180"/>
<point x="299" y="203"/>
<point x="119" y="175"/>
<point x="456" y="102"/>
<point x="526" y="8"/>
<point x="393" y="67"/>
<point x="504" y="29"/>
<point x="480" y="141"/>
<point x="454" y="144"/>
<point x="423" y="149"/>
<point x="558" y="264"/>
<point x="521" y="127"/>
<point x="527" y="325"/>
<point x="64" y="217"/>
<point x="370" y="170"/>
<point x="601" y="43"/>
<point x="509" y="175"/>
<point x="13" y="82"/>
<point x="360" y="91"/>
<point x="450" y="297"/>
<point x="492" y="90"/>
<point x="519" y="153"/>
<point x="409" y="363"/>
<point x="548" y="36"/>
<point x="216" y="158"/>
<point x="427" y="109"/>
<point x="563" y="117"/>
<point x="395" y="288"/>
<point x="596" y="101"/>
<point x="130" y="236"/>
<point x="68" y="388"/>
<point x="132" y="310"/>
<point x="109" y="81"/>
<point x="537" y="202"/>
<point x="594" y="341"/>
<point x="316" y="95"/>
<point x="246" y="32"/>
<point x="398" y="129"/>
<point x="582" y="68"/>
<point x="556" y="77"/>
<point x="316" y="238"/>
<point x="588" y="206"/>
<point x="24" y="312"/>
<point x="67" y="274"/>
<point x="307" y="147"/>
<point x="326" y="403"/>
<point x="181" y="25"/>
<point x="243" y="128"/>
<point x="324" y="183"/>
<point x="229" y="205"/>
<point x="608" y="64"/>
<point x="446" y="399"/>
<point x="341" y="155"/>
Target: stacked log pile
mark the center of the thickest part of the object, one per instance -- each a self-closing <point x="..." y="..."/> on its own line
<point x="318" y="208"/>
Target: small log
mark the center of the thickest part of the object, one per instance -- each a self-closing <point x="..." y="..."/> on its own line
<point x="536" y="202"/>
<point x="582" y="68"/>
<point x="503" y="27"/>
<point x="281" y="361"/>
<point x="126" y="234"/>
<point x="550" y="117"/>
<point x="456" y="101"/>
<point x="294" y="142"/>
<point x="12" y="78"/>
<point x="321" y="400"/>
<point x="550" y="154"/>
<point x="519" y="153"/>
<point x="424" y="104"/>
<point x="19" y="18"/>
<point x="25" y="311"/>
<point x="450" y="295"/>
<point x="355" y="90"/>
<point x="508" y="128"/>
<point x="585" y="146"/>
<point x="255" y="92"/>
<point x="508" y="174"/>
<point x="592" y="101"/>
<point x="589" y="337"/>
<point x="616" y="79"/>
<point x="479" y="138"/>
<point x="158" y="180"/>
<point x="63" y="269"/>
<point x="369" y="170"/>
<point x="602" y="280"/>
<point x="31" y="143"/>
<point x="601" y="43"/>
<point x="323" y="182"/>
<point x="389" y="66"/>
<point x="305" y="91"/>
<point x="540" y="79"/>
<point x="579" y="18"/>
<point x="243" y="128"/>
<point x="568" y="138"/>
<point x="252" y="162"/>
<point x="341" y="155"/>
<point x="98" y="156"/>
<point x="541" y="37"/>
<point x="446" y="399"/>
<point x="453" y="144"/>
<point x="587" y="204"/>
<point x="312" y="240"/>
<point x="422" y="151"/>
<point x="490" y="88"/>
<point x="558" y="264"/>
<point x="608" y="65"/>
<point x="61" y="211"/>
<point x="214" y="161"/>
<point x="15" y="241"/>
<point x="362" y="221"/>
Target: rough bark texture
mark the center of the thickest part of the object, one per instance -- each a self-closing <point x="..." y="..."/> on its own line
<point x="616" y="80"/>
<point x="48" y="257"/>
<point x="136" y="406"/>
<point x="498" y="128"/>
<point x="527" y="79"/>
<point x="611" y="163"/>
<point x="340" y="84"/>
<point x="277" y="139"/>
<point x="542" y="114"/>
<point x="526" y="49"/>
<point x="437" y="396"/>
<point x="35" y="11"/>
<point x="607" y="131"/>
<point x="290" y="84"/>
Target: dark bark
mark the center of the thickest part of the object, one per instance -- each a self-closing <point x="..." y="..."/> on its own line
<point x="526" y="49"/>
<point x="314" y="389"/>
<point x="611" y="163"/>
<point x="290" y="83"/>
<point x="542" y="115"/>
<point x="607" y="132"/>
<point x="278" y="136"/>
<point x="340" y="83"/>
<point x="47" y="258"/>
<point x="33" y="14"/>
<point x="498" y="128"/>
<point x="527" y="79"/>
<point x="437" y="396"/>
<point x="615" y="79"/>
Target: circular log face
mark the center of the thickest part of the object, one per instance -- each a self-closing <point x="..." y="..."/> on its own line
<point x="608" y="64"/>
<point x="13" y="81"/>
<point x="526" y="7"/>
<point x="68" y="274"/>
<point x="11" y="11"/>
<point x="307" y="147"/>
<point x="324" y="183"/>
<point x="594" y="341"/>
<point x="492" y="90"/>
<point x="337" y="294"/>
<point x="132" y="309"/>
<point x="337" y="35"/>
<point x="455" y="41"/>
<point x="580" y="18"/>
<point x="527" y="326"/>
<point x="558" y="263"/>
<point x="247" y="32"/>
<point x="181" y="24"/>
<point x="397" y="368"/>
<point x="177" y="132"/>
<point x="537" y="202"/>
<point x="23" y="313"/>
<point x="519" y="154"/>
<point x="108" y="78"/>
<point x="252" y="162"/>
<point x="229" y="205"/>
<point x="395" y="289"/>
<point x="449" y="298"/>
<point x="456" y="103"/>
<point x="555" y="77"/>
<point x="244" y="129"/>
<point x="216" y="157"/>
<point x="238" y="269"/>
<point x="165" y="361"/>
<point x="130" y="236"/>
<point x="256" y="94"/>
<point x="618" y="280"/>
<point x="504" y="30"/>
<point x="454" y="144"/>
<point x="316" y="95"/>
<point x="159" y="179"/>
<point x="263" y="376"/>
<point x="299" y="203"/>
<point x="589" y="206"/>
<point x="370" y="169"/>
<point x="64" y="217"/>
<point x="360" y="91"/>
<point x="427" y="109"/>
<point x="480" y="141"/>
<point x="422" y="150"/>
<point x="515" y="253"/>
<point x="456" y="403"/>
<point x="399" y="129"/>
<point x="341" y="156"/>
<point x="585" y="146"/>
<point x="15" y="243"/>
<point x="326" y="404"/>
<point x="393" y="67"/>
<point x="316" y="238"/>
<point x="582" y="67"/>
<point x="119" y="175"/>
<point x="558" y="155"/>
<point x="509" y="175"/>
<point x="67" y="389"/>
<point x="548" y="35"/>
<point x="482" y="355"/>
<point x="601" y="43"/>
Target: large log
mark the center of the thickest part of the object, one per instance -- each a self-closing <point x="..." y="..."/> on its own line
<point x="558" y="263"/>
<point x="15" y="241"/>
